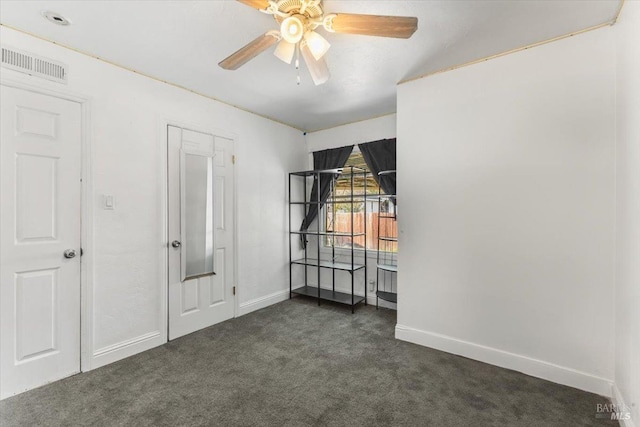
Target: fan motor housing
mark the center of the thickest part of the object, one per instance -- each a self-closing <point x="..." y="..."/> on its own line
<point x="292" y="7"/>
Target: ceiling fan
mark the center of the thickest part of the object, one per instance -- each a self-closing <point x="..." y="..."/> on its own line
<point x="298" y="20"/>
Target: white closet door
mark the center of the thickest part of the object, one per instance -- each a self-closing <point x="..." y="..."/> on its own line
<point x="40" y="192"/>
<point x="201" y="222"/>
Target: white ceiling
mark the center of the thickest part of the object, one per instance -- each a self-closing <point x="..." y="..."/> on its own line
<point x="183" y="41"/>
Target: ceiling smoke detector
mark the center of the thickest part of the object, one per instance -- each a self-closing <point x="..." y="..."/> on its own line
<point x="56" y="18"/>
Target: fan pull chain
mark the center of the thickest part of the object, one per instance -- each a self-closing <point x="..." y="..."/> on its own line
<point x="298" y="63"/>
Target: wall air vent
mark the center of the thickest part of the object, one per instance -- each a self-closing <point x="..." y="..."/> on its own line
<point x="34" y="65"/>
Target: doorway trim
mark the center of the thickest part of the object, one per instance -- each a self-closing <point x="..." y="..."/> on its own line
<point x="163" y="125"/>
<point x="86" y="209"/>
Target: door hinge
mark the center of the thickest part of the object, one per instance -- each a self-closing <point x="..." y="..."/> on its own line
<point x="233" y="159"/>
<point x="234" y="290"/>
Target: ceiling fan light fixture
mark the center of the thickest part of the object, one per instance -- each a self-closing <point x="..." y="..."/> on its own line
<point x="318" y="45"/>
<point x="298" y="20"/>
<point x="285" y="51"/>
<point x="292" y="29"/>
<point x="317" y="68"/>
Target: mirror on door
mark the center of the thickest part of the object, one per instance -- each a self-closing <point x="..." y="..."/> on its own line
<point x="196" y="178"/>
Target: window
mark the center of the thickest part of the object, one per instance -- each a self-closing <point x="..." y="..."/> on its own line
<point x="338" y="214"/>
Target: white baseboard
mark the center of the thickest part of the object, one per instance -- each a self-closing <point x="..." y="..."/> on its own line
<point x="262" y="302"/>
<point x="618" y="400"/>
<point x="536" y="368"/>
<point x="124" y="349"/>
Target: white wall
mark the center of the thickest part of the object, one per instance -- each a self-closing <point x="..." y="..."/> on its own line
<point x="506" y="173"/>
<point x="627" y="357"/>
<point x="128" y="141"/>
<point x="352" y="134"/>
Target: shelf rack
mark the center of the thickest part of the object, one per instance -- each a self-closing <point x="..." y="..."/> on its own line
<point x="386" y="263"/>
<point x="357" y="260"/>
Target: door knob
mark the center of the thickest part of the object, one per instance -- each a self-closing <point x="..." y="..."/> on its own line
<point x="70" y="253"/>
<point x="176" y="244"/>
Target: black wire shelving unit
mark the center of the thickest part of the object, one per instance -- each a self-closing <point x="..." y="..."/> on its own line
<point x="386" y="259"/>
<point x="353" y="263"/>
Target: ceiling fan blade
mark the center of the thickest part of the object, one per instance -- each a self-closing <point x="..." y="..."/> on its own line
<point x="250" y="51"/>
<point x="401" y="27"/>
<point x="258" y="4"/>
<point x="318" y="69"/>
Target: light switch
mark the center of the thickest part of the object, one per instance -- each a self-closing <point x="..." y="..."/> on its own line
<point x="108" y="202"/>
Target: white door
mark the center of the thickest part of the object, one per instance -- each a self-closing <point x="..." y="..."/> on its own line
<point x="201" y="227"/>
<point x="39" y="223"/>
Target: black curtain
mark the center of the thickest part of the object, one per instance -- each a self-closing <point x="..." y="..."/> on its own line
<point x="326" y="159"/>
<point x="381" y="156"/>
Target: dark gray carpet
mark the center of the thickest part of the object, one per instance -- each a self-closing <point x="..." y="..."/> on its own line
<point x="297" y="364"/>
